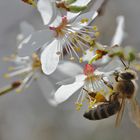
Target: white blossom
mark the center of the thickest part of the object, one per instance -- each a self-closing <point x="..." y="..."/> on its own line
<point x="53" y="40"/>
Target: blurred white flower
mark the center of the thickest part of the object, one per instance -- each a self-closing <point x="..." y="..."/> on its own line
<point x="120" y="34"/>
<point x="25" y="66"/>
<point x="29" y="70"/>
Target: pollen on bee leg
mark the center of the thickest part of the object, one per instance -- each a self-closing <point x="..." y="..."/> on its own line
<point x="100" y="97"/>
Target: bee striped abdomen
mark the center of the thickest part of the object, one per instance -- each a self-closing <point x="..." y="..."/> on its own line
<point x="103" y="111"/>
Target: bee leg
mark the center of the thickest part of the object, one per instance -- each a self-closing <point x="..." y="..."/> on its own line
<point x="113" y="96"/>
<point x="107" y="84"/>
<point x="85" y="90"/>
<point x="117" y="78"/>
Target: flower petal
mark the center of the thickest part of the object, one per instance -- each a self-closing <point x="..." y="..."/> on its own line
<point x="77" y="78"/>
<point x="81" y="2"/>
<point x="89" y="15"/>
<point x="95" y="5"/>
<point x="35" y="41"/>
<point x="47" y="10"/>
<point x="47" y="88"/>
<point x="70" y="68"/>
<point x="88" y="56"/>
<point x="114" y="64"/>
<point x="65" y="91"/>
<point x="119" y="34"/>
<point x="26" y="29"/>
<point x="71" y="15"/>
<point x="49" y="58"/>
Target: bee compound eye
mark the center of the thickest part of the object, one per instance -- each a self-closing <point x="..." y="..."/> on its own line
<point x="127" y="75"/>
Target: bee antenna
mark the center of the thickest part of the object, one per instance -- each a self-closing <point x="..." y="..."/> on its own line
<point x="126" y="67"/>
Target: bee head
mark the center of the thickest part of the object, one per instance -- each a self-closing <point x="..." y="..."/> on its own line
<point x="128" y="75"/>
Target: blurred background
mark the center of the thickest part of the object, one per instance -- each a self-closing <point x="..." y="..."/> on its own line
<point x="28" y="116"/>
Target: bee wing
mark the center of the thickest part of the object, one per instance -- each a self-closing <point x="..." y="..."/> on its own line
<point x="120" y="113"/>
<point x="135" y="112"/>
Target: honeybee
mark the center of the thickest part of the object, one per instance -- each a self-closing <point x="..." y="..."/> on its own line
<point x="126" y="87"/>
<point x="124" y="90"/>
<point x="104" y="109"/>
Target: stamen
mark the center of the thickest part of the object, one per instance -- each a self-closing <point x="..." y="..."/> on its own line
<point x="24" y="83"/>
<point x="97" y="34"/>
<point x="68" y="49"/>
<point x="84" y="20"/>
<point x="16" y="68"/>
<point x="58" y="50"/>
<point x="9" y="58"/>
<point x="76" y="39"/>
<point x="91" y="104"/>
<point x="77" y="32"/>
<point x="9" y="88"/>
<point x="95" y="28"/>
<point x="80" y="46"/>
<point x="80" y="100"/>
<point x="68" y="42"/>
<point x="61" y="49"/>
<point x="15" y="73"/>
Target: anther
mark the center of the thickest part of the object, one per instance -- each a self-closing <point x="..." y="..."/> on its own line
<point x="72" y="58"/>
<point x="58" y="53"/>
<point x="95" y="28"/>
<point x="81" y="60"/>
